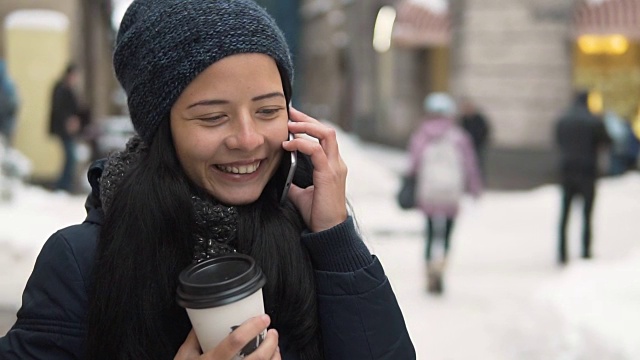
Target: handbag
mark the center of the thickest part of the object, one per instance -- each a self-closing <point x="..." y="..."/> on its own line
<point x="407" y="195"/>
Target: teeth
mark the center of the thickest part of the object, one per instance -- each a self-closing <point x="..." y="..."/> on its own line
<point x="245" y="169"/>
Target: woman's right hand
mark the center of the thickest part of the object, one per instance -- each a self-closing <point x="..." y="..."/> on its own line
<point x="234" y="342"/>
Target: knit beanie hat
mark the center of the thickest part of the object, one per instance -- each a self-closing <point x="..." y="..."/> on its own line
<point x="440" y="103"/>
<point x="162" y="45"/>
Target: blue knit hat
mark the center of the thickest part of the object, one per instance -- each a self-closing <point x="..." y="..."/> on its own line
<point x="162" y="45"/>
<point x="439" y="103"/>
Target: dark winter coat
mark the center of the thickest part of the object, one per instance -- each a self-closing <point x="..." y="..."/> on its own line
<point x="477" y="127"/>
<point x="8" y="103"/>
<point x="579" y="135"/>
<point x="359" y="314"/>
<point x="64" y="105"/>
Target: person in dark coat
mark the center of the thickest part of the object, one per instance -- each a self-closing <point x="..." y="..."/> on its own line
<point x="65" y="123"/>
<point x="579" y="135"/>
<point x="477" y="126"/>
<point x="9" y="104"/>
<point x="202" y="179"/>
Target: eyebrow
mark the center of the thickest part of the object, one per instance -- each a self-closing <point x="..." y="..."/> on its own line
<point x="221" y="102"/>
<point x="267" y="96"/>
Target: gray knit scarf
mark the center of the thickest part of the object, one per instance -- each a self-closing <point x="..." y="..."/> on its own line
<point x="216" y="223"/>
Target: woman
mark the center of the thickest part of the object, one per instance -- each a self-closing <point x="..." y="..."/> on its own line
<point x="445" y="164"/>
<point x="208" y="83"/>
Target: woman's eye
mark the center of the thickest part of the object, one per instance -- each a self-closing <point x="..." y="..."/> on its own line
<point x="212" y="119"/>
<point x="269" y="112"/>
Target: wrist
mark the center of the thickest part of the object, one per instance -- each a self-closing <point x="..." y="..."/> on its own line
<point x="330" y="223"/>
<point x="338" y="249"/>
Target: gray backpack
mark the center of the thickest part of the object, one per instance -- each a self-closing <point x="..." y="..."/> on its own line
<point x="441" y="177"/>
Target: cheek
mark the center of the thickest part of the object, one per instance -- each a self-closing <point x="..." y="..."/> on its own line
<point x="196" y="149"/>
<point x="192" y="147"/>
<point x="278" y="136"/>
<point x="277" y="133"/>
<point x="275" y="139"/>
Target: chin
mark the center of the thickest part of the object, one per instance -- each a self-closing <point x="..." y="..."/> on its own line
<point x="240" y="199"/>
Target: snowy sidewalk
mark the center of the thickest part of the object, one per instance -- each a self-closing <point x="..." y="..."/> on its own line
<point x="505" y="299"/>
<point x="505" y="296"/>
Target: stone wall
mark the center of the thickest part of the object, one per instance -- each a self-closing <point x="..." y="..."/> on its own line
<point x="513" y="57"/>
<point x="514" y="60"/>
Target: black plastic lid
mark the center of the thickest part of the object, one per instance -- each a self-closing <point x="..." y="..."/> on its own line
<point x="219" y="281"/>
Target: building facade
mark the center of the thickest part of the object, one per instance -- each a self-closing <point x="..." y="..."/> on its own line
<point x="518" y="60"/>
<point x="513" y="58"/>
<point x="38" y="38"/>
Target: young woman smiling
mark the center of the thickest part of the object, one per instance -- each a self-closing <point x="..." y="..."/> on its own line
<point x="208" y="85"/>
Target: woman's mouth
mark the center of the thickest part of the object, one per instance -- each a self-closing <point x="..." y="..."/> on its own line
<point x="239" y="169"/>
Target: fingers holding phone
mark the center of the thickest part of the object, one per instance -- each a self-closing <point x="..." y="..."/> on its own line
<point x="322" y="205"/>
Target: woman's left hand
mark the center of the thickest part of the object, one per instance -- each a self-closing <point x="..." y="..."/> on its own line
<point x="323" y="205"/>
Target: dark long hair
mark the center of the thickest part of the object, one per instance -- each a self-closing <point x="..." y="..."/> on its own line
<point x="146" y="240"/>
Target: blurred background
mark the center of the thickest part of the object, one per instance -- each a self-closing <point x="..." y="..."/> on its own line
<point x="366" y="66"/>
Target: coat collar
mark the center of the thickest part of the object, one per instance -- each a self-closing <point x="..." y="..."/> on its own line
<point x="93" y="205"/>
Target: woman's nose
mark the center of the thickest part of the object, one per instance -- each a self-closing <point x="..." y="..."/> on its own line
<point x="246" y="135"/>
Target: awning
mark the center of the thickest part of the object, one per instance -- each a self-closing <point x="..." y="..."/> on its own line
<point x="607" y="17"/>
<point x="418" y="26"/>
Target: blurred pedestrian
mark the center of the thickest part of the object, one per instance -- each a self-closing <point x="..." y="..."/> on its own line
<point x="618" y="130"/>
<point x="633" y="148"/>
<point x="66" y="124"/>
<point x="476" y="124"/>
<point x="444" y="162"/>
<point x="9" y="103"/>
<point x="209" y="86"/>
<point x="579" y="135"/>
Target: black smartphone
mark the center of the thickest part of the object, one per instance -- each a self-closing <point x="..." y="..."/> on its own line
<point x="292" y="170"/>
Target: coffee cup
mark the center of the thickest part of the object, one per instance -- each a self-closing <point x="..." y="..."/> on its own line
<point x="220" y="294"/>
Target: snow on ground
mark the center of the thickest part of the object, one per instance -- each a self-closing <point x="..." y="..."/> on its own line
<point x="505" y="296"/>
<point x="603" y="297"/>
<point x="26" y="223"/>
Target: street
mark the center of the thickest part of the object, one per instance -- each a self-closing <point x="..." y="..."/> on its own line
<point x="505" y="298"/>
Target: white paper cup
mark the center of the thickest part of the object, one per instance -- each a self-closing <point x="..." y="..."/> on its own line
<point x="220" y="294"/>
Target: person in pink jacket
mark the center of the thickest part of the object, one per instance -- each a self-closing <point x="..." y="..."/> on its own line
<point x="445" y="165"/>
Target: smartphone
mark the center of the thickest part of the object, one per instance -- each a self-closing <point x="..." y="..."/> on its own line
<point x="292" y="170"/>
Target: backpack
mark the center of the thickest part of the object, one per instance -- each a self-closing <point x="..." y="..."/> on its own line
<point x="441" y="177"/>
